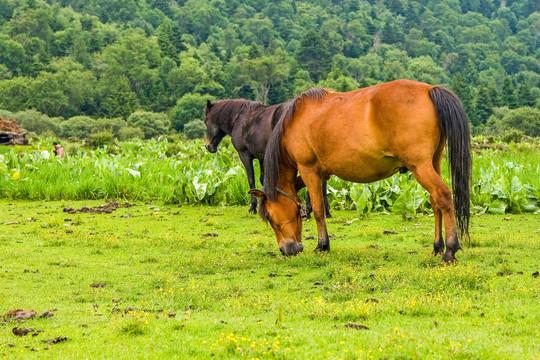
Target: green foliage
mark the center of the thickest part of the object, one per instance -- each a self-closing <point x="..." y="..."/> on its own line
<point x="78" y="126"/>
<point x="184" y="173"/>
<point x="130" y="133"/>
<point x="114" y="125"/>
<point x="151" y="124"/>
<point x="513" y="135"/>
<point x="314" y="56"/>
<point x="108" y="59"/>
<point x="37" y="122"/>
<point x="100" y="139"/>
<point x="525" y="119"/>
<point x="188" y="108"/>
<point x="195" y="129"/>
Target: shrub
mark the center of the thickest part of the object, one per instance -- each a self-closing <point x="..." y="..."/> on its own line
<point x="37" y="122"/>
<point x="151" y="124"/>
<point x="129" y="133"/>
<point x="525" y="119"/>
<point x="78" y="126"/>
<point x="71" y="148"/>
<point x="195" y="129"/>
<point x="100" y="139"/>
<point x="513" y="135"/>
<point x="113" y="125"/>
<point x="173" y="149"/>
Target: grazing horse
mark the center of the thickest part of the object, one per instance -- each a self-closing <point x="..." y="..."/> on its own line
<point x="364" y="136"/>
<point x="250" y="124"/>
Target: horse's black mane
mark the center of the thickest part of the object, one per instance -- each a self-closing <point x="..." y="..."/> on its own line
<point x="272" y="155"/>
<point x="223" y="112"/>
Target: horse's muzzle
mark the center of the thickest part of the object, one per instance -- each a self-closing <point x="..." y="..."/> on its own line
<point x="291" y="248"/>
<point x="211" y="148"/>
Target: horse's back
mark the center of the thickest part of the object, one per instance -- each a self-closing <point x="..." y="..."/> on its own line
<point x="366" y="134"/>
<point x="253" y="130"/>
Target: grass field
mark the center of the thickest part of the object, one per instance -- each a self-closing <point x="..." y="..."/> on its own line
<point x="156" y="281"/>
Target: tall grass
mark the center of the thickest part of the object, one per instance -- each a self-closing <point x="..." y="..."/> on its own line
<point x="184" y="173"/>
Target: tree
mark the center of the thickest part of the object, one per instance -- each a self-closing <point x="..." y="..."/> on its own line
<point x="165" y="35"/>
<point x="483" y="107"/>
<point x="264" y="72"/>
<point x="337" y="81"/>
<point x="525" y="96"/>
<point x="463" y="91"/>
<point x="424" y="69"/>
<point x="508" y="94"/>
<point x="119" y="101"/>
<point x="134" y="57"/>
<point x="313" y="55"/>
<point x="11" y="54"/>
<point x="188" y="108"/>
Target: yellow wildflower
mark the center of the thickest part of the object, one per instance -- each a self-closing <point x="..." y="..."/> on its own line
<point x="16" y="175"/>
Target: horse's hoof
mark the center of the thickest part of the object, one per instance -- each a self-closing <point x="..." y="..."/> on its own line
<point x="253" y="211"/>
<point x="449" y="258"/>
<point x="328" y="215"/>
<point x="323" y="248"/>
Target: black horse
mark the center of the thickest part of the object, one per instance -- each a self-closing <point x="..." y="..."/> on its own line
<point x="249" y="123"/>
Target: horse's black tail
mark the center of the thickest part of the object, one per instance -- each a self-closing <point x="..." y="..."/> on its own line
<point x="455" y="128"/>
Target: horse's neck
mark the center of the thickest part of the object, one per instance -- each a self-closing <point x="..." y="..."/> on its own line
<point x="228" y="126"/>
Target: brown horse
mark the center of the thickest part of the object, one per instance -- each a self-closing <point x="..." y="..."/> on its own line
<point x="250" y="124"/>
<point x="364" y="136"/>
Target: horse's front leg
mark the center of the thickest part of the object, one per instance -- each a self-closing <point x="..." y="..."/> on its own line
<point x="314" y="186"/>
<point x="247" y="160"/>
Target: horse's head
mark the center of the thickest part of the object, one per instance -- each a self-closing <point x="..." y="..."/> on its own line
<point x="214" y="133"/>
<point x="285" y="215"/>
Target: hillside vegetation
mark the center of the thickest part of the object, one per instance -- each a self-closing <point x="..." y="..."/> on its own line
<point x="111" y="59"/>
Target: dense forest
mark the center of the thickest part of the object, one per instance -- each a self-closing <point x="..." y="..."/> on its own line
<point x="142" y="67"/>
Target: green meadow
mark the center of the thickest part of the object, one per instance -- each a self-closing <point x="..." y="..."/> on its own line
<point x="156" y="280"/>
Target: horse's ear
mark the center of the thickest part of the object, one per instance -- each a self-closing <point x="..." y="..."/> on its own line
<point x="258" y="193"/>
<point x="208" y="105"/>
<point x="299" y="184"/>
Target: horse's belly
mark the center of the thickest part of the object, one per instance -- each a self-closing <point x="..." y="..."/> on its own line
<point x="365" y="170"/>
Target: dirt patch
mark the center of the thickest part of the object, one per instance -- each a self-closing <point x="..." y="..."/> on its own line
<point x="46" y="315"/>
<point x="210" y="235"/>
<point x="107" y="208"/>
<point x="21" y="331"/>
<point x="356" y="326"/>
<point x="19" y="315"/>
<point x="56" y="340"/>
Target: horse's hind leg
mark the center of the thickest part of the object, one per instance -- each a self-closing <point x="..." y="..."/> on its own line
<point x="438" y="242"/>
<point x="326" y="203"/>
<point x="441" y="198"/>
<point x="314" y="186"/>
